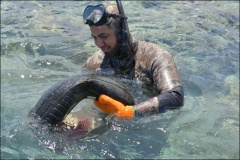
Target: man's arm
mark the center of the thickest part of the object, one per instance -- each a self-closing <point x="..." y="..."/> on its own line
<point x="161" y="68"/>
<point x="167" y="100"/>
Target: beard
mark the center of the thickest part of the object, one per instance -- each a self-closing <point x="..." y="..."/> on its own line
<point x="115" y="51"/>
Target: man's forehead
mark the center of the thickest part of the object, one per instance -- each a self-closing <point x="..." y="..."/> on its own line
<point x="100" y="30"/>
<point x="101" y="34"/>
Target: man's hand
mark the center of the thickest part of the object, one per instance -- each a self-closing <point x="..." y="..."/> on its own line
<point x="111" y="106"/>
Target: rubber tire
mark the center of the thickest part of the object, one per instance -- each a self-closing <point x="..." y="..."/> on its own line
<point x="61" y="98"/>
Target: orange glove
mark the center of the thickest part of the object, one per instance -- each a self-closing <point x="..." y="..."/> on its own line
<point x="111" y="106"/>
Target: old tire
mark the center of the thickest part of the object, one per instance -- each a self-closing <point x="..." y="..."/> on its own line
<point x="61" y="98"/>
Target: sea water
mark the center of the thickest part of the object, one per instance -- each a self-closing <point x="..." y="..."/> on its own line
<point x="45" y="42"/>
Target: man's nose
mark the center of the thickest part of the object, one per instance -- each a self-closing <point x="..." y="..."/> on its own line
<point x="99" y="43"/>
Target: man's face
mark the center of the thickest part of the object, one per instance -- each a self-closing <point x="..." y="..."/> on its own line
<point x="105" y="39"/>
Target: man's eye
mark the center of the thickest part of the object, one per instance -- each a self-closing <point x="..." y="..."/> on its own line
<point x="104" y="37"/>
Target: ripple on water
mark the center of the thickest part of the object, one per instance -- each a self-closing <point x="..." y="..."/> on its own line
<point x="78" y="126"/>
<point x="194" y="108"/>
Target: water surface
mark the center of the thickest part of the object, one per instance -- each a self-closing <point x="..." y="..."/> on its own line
<point x="45" y="42"/>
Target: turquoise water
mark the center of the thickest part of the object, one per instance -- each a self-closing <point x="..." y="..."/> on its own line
<point x="45" y="42"/>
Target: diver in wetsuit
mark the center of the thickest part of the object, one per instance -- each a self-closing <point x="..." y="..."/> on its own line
<point x="136" y="59"/>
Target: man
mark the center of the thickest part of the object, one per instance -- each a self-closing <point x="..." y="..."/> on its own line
<point x="136" y="59"/>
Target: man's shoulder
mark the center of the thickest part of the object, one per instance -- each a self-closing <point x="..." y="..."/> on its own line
<point x="94" y="61"/>
<point x="97" y="55"/>
<point x="149" y="47"/>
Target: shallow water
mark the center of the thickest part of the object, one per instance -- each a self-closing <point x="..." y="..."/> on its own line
<point x="45" y="42"/>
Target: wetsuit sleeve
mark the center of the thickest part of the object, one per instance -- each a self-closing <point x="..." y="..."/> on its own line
<point x="162" y="70"/>
<point x="168" y="100"/>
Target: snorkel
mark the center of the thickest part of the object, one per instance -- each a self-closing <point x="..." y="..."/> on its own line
<point x="124" y="27"/>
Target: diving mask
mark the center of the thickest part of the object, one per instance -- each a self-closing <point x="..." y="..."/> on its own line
<point x="97" y="15"/>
